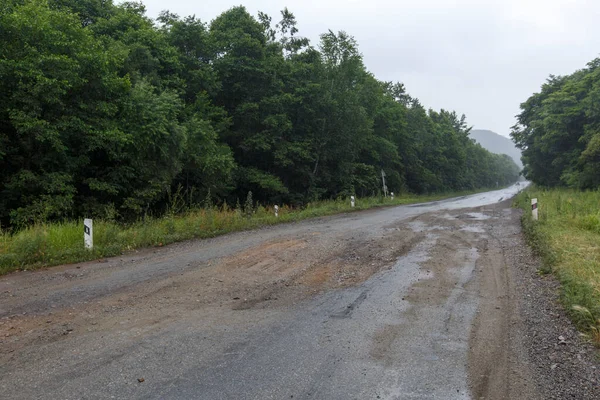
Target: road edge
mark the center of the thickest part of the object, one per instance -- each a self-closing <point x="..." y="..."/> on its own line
<point x="561" y="362"/>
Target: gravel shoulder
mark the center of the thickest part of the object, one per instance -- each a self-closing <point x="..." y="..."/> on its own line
<point x="564" y="364"/>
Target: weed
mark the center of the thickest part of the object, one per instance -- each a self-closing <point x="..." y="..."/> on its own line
<point x="592" y="323"/>
<point x="248" y="206"/>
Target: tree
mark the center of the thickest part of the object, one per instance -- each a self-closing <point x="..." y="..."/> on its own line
<point x="557" y="130"/>
<point x="105" y="112"/>
<point x="60" y="95"/>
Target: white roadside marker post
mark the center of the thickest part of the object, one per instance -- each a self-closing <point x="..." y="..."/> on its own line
<point x="276" y="211"/>
<point x="392" y="195"/>
<point x="534" y="209"/>
<point x="88" y="234"/>
<point x="352" y="201"/>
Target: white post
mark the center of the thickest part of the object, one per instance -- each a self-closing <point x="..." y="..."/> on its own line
<point x="534" y="209"/>
<point x="276" y="211"/>
<point x="383" y="181"/>
<point x="392" y="195"/>
<point x="352" y="201"/>
<point x="88" y="234"/>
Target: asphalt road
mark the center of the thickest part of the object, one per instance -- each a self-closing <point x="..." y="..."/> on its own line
<point x="381" y="304"/>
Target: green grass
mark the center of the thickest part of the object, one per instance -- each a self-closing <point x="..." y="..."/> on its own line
<point x="49" y="244"/>
<point x="567" y="236"/>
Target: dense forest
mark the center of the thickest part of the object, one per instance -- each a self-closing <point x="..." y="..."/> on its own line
<point x="558" y="131"/>
<point x="105" y="112"/>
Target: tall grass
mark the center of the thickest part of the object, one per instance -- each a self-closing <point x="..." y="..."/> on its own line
<point x="51" y="244"/>
<point x="567" y="236"/>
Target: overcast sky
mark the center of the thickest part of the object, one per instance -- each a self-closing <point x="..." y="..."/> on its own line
<point x="477" y="57"/>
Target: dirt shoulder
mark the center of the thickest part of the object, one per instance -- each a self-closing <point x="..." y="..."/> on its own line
<point x="523" y="342"/>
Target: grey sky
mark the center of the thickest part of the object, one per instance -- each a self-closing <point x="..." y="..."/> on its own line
<point x="480" y="58"/>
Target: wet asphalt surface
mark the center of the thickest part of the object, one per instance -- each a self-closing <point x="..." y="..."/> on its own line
<point x="351" y="343"/>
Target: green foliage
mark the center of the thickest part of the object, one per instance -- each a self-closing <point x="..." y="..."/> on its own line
<point x="107" y="113"/>
<point x="559" y="131"/>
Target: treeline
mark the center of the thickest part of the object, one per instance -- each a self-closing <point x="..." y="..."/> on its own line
<point x="558" y="131"/>
<point x="105" y="112"/>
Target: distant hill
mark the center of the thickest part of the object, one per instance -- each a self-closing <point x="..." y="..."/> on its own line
<point x="496" y="143"/>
